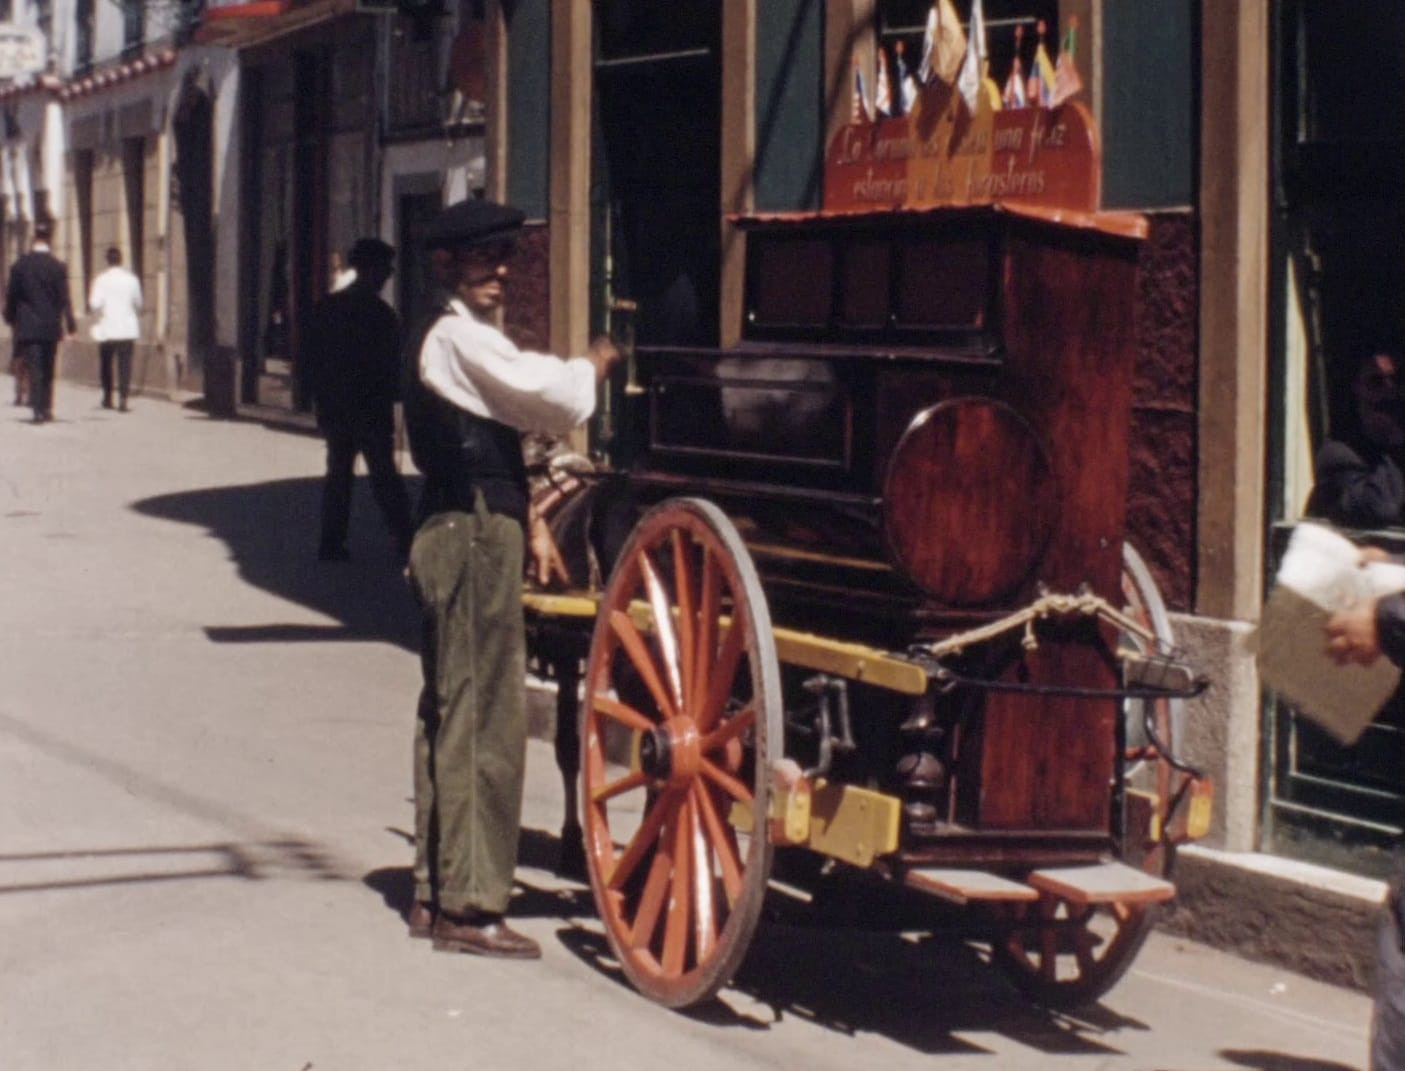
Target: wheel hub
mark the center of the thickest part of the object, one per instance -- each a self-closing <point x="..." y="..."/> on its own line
<point x="656" y="754"/>
<point x="671" y="752"/>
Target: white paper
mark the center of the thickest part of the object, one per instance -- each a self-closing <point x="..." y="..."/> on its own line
<point x="1321" y="574"/>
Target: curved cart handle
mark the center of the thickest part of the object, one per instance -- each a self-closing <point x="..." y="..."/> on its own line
<point x="623" y="335"/>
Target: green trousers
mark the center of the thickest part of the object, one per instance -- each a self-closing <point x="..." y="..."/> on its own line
<point x="471" y="728"/>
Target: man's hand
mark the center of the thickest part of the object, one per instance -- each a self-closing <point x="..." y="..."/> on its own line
<point x="604" y="354"/>
<point x="1352" y="635"/>
<point x="547" y="564"/>
<point x="1374" y="554"/>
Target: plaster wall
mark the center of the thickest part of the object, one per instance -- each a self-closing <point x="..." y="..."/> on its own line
<point x="455" y="165"/>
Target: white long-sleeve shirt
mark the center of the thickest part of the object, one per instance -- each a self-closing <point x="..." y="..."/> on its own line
<point x="115" y="297"/>
<point x="476" y="367"/>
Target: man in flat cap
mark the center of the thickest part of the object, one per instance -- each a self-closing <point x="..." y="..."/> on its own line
<point x="352" y="345"/>
<point x="472" y="394"/>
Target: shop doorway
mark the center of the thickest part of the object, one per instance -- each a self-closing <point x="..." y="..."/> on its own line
<point x="416" y="291"/>
<point x="193" y="127"/>
<point x="657" y="191"/>
<point x="1338" y="291"/>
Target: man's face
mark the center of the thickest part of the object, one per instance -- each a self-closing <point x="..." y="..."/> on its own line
<point x="1378" y="401"/>
<point x="481" y="271"/>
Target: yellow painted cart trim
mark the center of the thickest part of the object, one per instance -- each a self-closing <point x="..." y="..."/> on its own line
<point x="544" y="602"/>
<point x="853" y="661"/>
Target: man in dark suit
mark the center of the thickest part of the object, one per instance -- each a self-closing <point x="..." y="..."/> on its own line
<point x="352" y="345"/>
<point x="38" y="312"/>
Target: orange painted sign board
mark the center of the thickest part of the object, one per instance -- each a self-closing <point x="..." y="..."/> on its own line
<point x="942" y="153"/>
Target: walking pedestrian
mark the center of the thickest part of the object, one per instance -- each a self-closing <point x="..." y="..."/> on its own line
<point x="115" y="299"/>
<point x="1361" y="634"/>
<point x="38" y="310"/>
<point x="471" y="394"/>
<point x="352" y="345"/>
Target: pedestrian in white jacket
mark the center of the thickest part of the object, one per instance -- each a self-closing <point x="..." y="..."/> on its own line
<point x="115" y="301"/>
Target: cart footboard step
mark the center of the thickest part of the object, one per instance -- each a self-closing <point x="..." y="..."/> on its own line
<point x="963" y="886"/>
<point x="1102" y="884"/>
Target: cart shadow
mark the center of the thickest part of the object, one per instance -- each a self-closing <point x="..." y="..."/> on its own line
<point x="808" y="961"/>
<point x="271" y="532"/>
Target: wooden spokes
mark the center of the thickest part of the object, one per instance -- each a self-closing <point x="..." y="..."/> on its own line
<point x="681" y="715"/>
<point x="1064" y="955"/>
<point x="1141" y="600"/>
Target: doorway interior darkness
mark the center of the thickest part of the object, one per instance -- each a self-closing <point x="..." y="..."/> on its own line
<point x="657" y="160"/>
<point x="1339" y="290"/>
<point x="655" y="215"/>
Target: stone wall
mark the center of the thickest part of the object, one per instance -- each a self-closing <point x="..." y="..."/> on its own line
<point x="1161" y="502"/>
<point x="527" y="316"/>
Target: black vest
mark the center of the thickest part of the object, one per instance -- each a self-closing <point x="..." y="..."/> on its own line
<point x="458" y="452"/>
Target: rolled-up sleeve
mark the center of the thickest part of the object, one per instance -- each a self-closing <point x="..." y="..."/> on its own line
<point x="477" y="368"/>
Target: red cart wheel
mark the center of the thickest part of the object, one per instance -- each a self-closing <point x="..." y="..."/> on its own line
<point x="681" y="721"/>
<point x="1064" y="955"/>
<point x="1141" y="600"/>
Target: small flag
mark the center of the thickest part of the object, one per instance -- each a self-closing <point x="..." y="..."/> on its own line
<point x="973" y="66"/>
<point x="1041" y="73"/>
<point x="883" y="86"/>
<point x="929" y="38"/>
<point x="943" y="45"/>
<point x="1067" y="81"/>
<point x="859" y="112"/>
<point x="1013" y="96"/>
<point x="907" y="84"/>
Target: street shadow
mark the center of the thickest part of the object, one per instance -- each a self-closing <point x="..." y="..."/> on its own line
<point x="1259" y="1060"/>
<point x="921" y="990"/>
<point x="147" y="865"/>
<point x="396" y="886"/>
<point x="271" y="531"/>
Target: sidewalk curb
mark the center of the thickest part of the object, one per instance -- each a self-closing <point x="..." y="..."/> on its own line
<point x="1306" y="918"/>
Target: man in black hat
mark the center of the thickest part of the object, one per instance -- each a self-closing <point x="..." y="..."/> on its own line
<point x="471" y="395"/>
<point x="352" y="345"/>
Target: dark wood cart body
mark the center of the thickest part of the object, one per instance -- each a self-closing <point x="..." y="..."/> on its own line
<point x="869" y="602"/>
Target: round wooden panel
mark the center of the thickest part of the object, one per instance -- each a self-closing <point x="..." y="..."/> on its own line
<point x="969" y="501"/>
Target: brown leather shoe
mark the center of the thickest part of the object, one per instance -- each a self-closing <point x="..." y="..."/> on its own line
<point x="482" y="934"/>
<point x="421" y="919"/>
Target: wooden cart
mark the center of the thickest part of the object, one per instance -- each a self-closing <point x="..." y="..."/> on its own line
<point x="869" y="603"/>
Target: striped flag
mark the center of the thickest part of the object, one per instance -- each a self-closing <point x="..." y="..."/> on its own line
<point x="1013" y="96"/>
<point x="907" y="84"/>
<point x="1041" y="73"/>
<point x="973" y="67"/>
<point x="1067" y="80"/>
<point x="860" y="111"/>
<point x="883" y="86"/>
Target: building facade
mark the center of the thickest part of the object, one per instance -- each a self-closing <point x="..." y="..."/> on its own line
<point x="234" y="152"/>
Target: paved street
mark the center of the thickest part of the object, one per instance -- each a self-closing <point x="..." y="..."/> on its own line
<point x="204" y="805"/>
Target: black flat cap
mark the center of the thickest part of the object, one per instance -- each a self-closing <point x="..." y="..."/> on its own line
<point x="369" y="251"/>
<point x="472" y="223"/>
